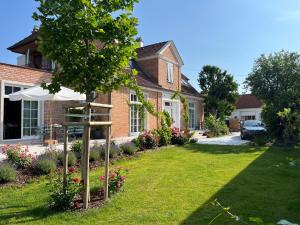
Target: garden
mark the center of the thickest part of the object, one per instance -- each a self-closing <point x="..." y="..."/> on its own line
<point x="177" y="185"/>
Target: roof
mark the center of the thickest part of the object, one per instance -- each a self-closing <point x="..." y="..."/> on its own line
<point x="150" y="50"/>
<point x="187" y="88"/>
<point x="142" y="78"/>
<point x="248" y="101"/>
<point x="31" y="38"/>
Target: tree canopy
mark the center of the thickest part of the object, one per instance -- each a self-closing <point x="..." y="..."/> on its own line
<point x="275" y="79"/>
<point x="219" y="89"/>
<point x="92" y="42"/>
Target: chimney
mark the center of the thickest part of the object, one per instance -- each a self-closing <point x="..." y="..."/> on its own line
<point x="140" y="42"/>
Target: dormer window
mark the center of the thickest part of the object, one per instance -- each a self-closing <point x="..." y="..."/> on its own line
<point x="170" y="72"/>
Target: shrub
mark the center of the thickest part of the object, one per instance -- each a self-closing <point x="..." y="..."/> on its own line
<point x="193" y="140"/>
<point x="261" y="140"/>
<point x="77" y="148"/>
<point x="116" y="179"/>
<point x="215" y="127"/>
<point x="178" y="138"/>
<point x="7" y="173"/>
<point x="44" y="166"/>
<point x="63" y="198"/>
<point x="72" y="159"/>
<point x="50" y="154"/>
<point x="94" y="155"/>
<point x="114" y="151"/>
<point x="146" y="140"/>
<point x="129" y="148"/>
<point x="164" y="134"/>
<point x="18" y="155"/>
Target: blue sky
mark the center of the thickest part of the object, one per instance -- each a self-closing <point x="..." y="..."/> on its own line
<point x="229" y="34"/>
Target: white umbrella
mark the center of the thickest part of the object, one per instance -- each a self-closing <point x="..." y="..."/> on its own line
<point x="37" y="93"/>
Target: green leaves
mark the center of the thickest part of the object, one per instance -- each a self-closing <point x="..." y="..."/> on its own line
<point x="275" y="79"/>
<point x="219" y="89"/>
<point x="80" y="35"/>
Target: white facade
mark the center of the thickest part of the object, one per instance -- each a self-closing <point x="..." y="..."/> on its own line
<point x="247" y="114"/>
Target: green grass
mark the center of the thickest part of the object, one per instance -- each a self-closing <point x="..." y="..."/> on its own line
<point x="175" y="186"/>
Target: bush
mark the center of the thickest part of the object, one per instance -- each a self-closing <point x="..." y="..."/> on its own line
<point x="116" y="179"/>
<point x="113" y="153"/>
<point x="164" y="134"/>
<point x="261" y="140"/>
<point x="179" y="140"/>
<point x="49" y="154"/>
<point x="44" y="166"/>
<point x="193" y="140"/>
<point x="129" y="148"/>
<point x="94" y="155"/>
<point x="215" y="127"/>
<point x="60" y="198"/>
<point x="146" y="140"/>
<point x="7" y="173"/>
<point x="72" y="159"/>
<point x="77" y="148"/>
<point x="18" y="155"/>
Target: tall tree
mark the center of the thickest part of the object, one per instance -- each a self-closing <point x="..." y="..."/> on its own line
<point x="219" y="89"/>
<point x="275" y="79"/>
<point x="91" y="41"/>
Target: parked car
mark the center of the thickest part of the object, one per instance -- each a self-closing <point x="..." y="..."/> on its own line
<point x="250" y="128"/>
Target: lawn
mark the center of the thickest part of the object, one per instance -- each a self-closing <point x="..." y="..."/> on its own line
<point x="175" y="185"/>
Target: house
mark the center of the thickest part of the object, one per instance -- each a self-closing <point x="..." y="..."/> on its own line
<point x="248" y="107"/>
<point x="159" y="75"/>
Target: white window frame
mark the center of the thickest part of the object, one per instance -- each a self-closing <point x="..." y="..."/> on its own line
<point x="193" y="107"/>
<point x="137" y="102"/>
<point x="170" y="72"/>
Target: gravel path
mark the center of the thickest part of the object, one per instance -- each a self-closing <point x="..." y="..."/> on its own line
<point x="231" y="139"/>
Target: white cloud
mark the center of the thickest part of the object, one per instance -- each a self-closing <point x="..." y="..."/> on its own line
<point x="289" y="16"/>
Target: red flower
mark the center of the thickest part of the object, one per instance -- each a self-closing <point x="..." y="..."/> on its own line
<point x="72" y="170"/>
<point x="76" y="180"/>
<point x="102" y="178"/>
<point x="118" y="184"/>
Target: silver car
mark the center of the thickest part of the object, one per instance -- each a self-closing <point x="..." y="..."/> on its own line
<point x="250" y="128"/>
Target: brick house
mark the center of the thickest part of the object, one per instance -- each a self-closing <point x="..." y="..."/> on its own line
<point x="159" y="75"/>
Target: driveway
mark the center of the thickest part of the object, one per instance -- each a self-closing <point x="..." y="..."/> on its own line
<point x="231" y="139"/>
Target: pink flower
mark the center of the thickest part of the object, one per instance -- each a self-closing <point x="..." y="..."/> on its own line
<point x="123" y="178"/>
<point x="27" y="149"/>
<point x="118" y="184"/>
<point x="114" y="175"/>
<point x="120" y="167"/>
<point x="102" y="178"/>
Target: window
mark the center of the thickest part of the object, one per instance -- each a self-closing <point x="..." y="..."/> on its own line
<point x="192" y="116"/>
<point x="170" y="73"/>
<point x="250" y="117"/>
<point x="11" y="89"/>
<point x="30" y="118"/>
<point x="137" y="115"/>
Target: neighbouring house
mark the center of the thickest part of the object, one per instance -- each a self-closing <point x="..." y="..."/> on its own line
<point x="159" y="75"/>
<point x="248" y="107"/>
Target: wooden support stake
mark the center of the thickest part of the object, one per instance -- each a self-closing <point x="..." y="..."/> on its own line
<point x="86" y="185"/>
<point x="108" y="137"/>
<point x="65" y="161"/>
<point x="108" y="140"/>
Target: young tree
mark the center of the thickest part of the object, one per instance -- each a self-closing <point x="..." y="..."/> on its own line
<point x="220" y="91"/>
<point x="92" y="42"/>
<point x="275" y="79"/>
